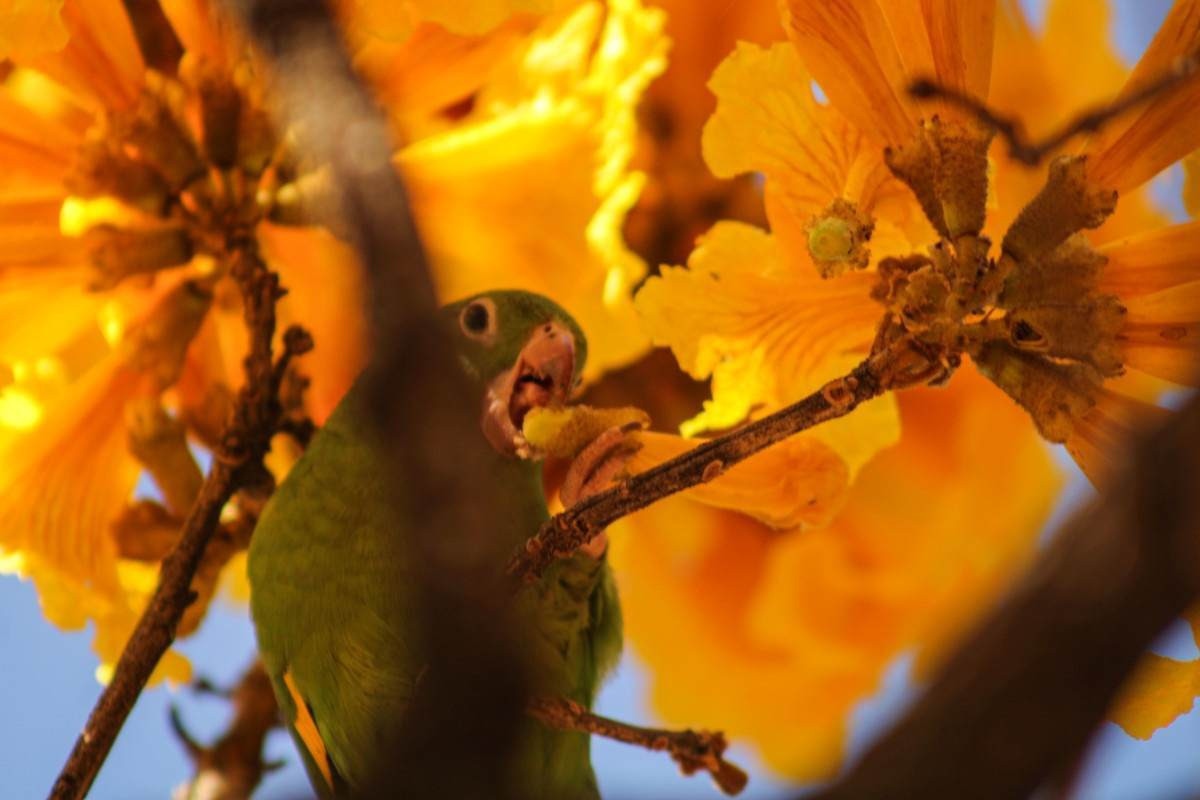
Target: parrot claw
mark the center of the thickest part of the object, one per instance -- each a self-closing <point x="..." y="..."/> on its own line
<point x="599" y="466"/>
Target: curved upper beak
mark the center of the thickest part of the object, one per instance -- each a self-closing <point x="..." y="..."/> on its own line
<point x="543" y="375"/>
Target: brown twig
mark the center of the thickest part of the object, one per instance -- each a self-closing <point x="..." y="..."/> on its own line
<point x="1012" y="130"/>
<point x="237" y="463"/>
<point x="565" y="532"/>
<point x="692" y="750"/>
<point x="1016" y="704"/>
<point x="427" y="420"/>
<point x="233" y="766"/>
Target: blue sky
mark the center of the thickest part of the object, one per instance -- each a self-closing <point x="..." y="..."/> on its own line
<point x="48" y="685"/>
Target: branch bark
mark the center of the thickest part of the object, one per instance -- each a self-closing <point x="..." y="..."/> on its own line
<point x="1012" y="130"/>
<point x="1016" y="704"/>
<point x="426" y="417"/>
<point x="237" y="464"/>
<point x="692" y="750"/>
<point x="565" y="532"/>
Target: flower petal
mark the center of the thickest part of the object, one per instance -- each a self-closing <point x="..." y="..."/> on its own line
<point x="1152" y="260"/>
<point x="30" y="27"/>
<point x="768" y="121"/>
<point x="1191" y="184"/>
<point x="864" y="54"/>
<point x="478" y="16"/>
<point x="1160" y="691"/>
<point x="768" y="335"/>
<point x="1161" y="335"/>
<point x="315" y="267"/>
<point x="201" y="27"/>
<point x="803" y="624"/>
<point x="546" y="233"/>
<point x="101" y="59"/>
<point x="849" y="49"/>
<point x="63" y="481"/>
<point x="1131" y="150"/>
<point x="1100" y="440"/>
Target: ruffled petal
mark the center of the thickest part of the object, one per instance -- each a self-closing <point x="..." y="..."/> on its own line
<point x="767" y="334"/>
<point x="768" y="121"/>
<point x="63" y="481"/>
<point x="798" y="482"/>
<point x="1131" y="150"/>
<point x="1161" y="335"/>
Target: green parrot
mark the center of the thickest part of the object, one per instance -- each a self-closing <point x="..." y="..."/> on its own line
<point x="328" y="565"/>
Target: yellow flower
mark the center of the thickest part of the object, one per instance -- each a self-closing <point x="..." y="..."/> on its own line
<point x="775" y="635"/>
<point x="123" y="330"/>
<point x="836" y="207"/>
<point x="858" y="190"/>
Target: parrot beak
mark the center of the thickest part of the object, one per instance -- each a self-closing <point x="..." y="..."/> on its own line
<point x="543" y="375"/>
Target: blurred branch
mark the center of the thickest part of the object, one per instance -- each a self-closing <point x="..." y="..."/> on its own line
<point x="1012" y="130"/>
<point x="692" y="750"/>
<point x="236" y="464"/>
<point x="426" y="418"/>
<point x="1015" y="705"/>
<point x="232" y="767"/>
<point x="565" y="532"/>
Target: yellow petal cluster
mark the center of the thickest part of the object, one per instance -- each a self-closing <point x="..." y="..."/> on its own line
<point x="763" y="316"/>
<point x="775" y="635"/>
<point x="518" y="119"/>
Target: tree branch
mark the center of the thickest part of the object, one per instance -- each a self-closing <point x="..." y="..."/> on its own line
<point x="1015" y="705"/>
<point x="692" y="750"/>
<point x="1012" y="130"/>
<point x="565" y="532"/>
<point x="236" y="464"/>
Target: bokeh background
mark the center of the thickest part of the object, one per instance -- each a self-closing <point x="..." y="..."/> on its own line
<point x="47" y="682"/>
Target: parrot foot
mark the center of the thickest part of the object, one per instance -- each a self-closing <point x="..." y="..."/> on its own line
<point x="597" y="467"/>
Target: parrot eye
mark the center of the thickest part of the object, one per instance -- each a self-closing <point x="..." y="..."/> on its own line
<point x="478" y="320"/>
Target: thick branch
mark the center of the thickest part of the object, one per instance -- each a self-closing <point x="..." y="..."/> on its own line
<point x="1011" y="129"/>
<point x="426" y="416"/>
<point x="237" y="464"/>
<point x="565" y="532"/>
<point x="692" y="750"/>
<point x="1017" y="702"/>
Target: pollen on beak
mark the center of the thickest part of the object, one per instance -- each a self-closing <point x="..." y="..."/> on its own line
<point x="542" y="376"/>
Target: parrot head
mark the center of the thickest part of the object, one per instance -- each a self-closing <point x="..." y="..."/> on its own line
<point x="524" y="351"/>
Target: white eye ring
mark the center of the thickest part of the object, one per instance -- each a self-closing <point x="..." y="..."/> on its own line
<point x="477" y="320"/>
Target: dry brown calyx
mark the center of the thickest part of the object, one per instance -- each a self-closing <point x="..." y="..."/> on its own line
<point x="1032" y="318"/>
<point x="190" y="169"/>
